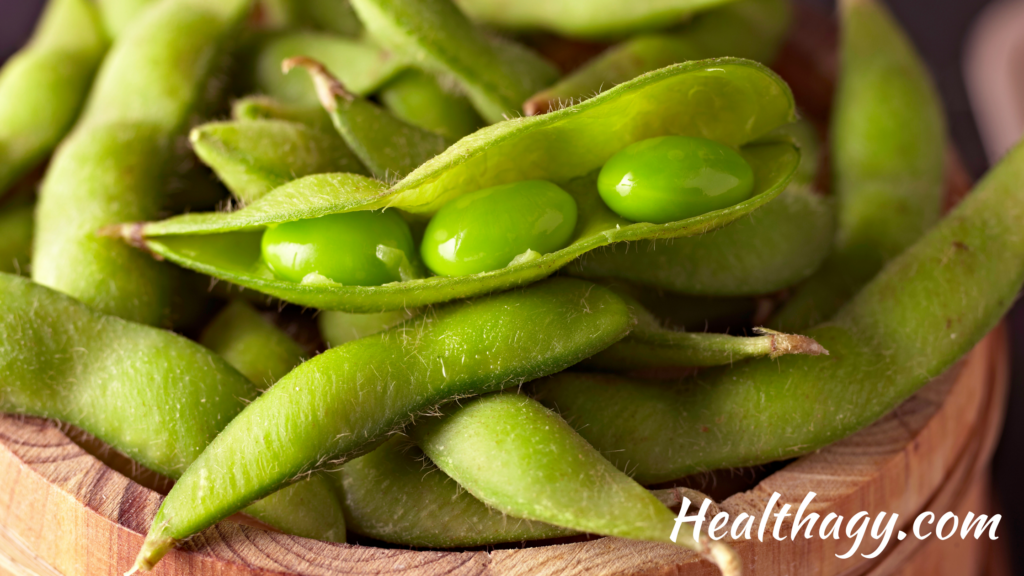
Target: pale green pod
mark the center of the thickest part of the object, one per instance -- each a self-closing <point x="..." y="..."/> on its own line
<point x="419" y="99"/>
<point x="497" y="74"/>
<point x="119" y="15"/>
<point x="43" y="86"/>
<point x="338" y="328"/>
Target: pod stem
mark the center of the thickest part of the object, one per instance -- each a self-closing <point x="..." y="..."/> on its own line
<point x="328" y="88"/>
<point x="783" y="344"/>
<point x="153" y="549"/>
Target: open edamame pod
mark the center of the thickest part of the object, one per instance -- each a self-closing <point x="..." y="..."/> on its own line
<point x="650" y="346"/>
<point x="255" y="156"/>
<point x="774" y="248"/>
<point x="888" y="154"/>
<point x="115" y="165"/>
<point x="594" y="19"/>
<point x="344" y="400"/>
<point x="43" y="85"/>
<point x="752" y="29"/>
<point x="498" y="75"/>
<point x="361" y="66"/>
<point x="522" y="459"/>
<point x="903" y="329"/>
<point x="733" y="102"/>
<point x="16" y="238"/>
<point x="151" y="394"/>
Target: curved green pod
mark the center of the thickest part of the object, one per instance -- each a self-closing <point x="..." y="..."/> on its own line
<point x="255" y="156"/>
<point x="744" y="99"/>
<point x="650" y="346"/>
<point x="16" y="238"/>
<point x="598" y="19"/>
<point x="344" y="400"/>
<point x="498" y="75"/>
<point x="43" y="86"/>
<point x="903" y="329"/>
<point x="888" y="157"/>
<point x="394" y="495"/>
<point x="115" y="165"/>
<point x="119" y="15"/>
<point x="752" y="29"/>
<point x="419" y="99"/>
<point x="522" y="459"/>
<point x="155" y="396"/>
<point x="361" y="66"/>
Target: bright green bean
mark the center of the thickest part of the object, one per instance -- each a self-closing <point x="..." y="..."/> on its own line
<point x="114" y="166"/>
<point x="592" y="19"/>
<point x="16" y="238"/>
<point x="43" y="86"/>
<point x="419" y="99"/>
<point x="524" y="460"/>
<point x="497" y="75"/>
<point x="389" y="147"/>
<point x="734" y="102"/>
<point x="149" y="393"/>
<point x="255" y="156"/>
<point x="904" y="328"/>
<point x="888" y="151"/>
<point x="345" y="399"/>
<point x="362" y="67"/>
<point x="751" y="29"/>
<point x="756" y="255"/>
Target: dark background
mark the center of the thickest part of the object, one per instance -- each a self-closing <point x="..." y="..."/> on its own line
<point x="938" y="28"/>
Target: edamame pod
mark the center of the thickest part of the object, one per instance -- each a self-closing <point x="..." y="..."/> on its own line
<point x="389" y="147"/>
<point x="497" y="74"/>
<point x="650" y="346"/>
<point x="774" y="248"/>
<point x="43" y="86"/>
<point x="522" y="459"/>
<point x="155" y="396"/>
<point x="16" y="238"/>
<point x="593" y="19"/>
<point x="361" y="66"/>
<point x="119" y="15"/>
<point x="344" y="400"/>
<point x="255" y="156"/>
<point x="338" y="328"/>
<point x="735" y="102"/>
<point x="334" y="16"/>
<point x="888" y="151"/>
<point x="419" y="99"/>
<point x="751" y="29"/>
<point x="115" y="164"/>
<point x="904" y="328"/>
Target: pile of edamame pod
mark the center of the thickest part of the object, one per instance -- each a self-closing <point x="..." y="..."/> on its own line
<point x="394" y="270"/>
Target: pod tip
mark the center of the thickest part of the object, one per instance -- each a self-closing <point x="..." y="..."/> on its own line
<point x="153" y="549"/>
<point x="328" y="88"/>
<point x="783" y="344"/>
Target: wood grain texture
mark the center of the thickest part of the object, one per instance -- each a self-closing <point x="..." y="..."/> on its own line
<point x="73" y="513"/>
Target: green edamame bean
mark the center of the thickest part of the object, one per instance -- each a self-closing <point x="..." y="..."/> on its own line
<point x="594" y="19"/>
<point x="251" y="344"/>
<point x="389" y="147"/>
<point x="491" y="228"/>
<point x="338" y="328"/>
<point x="757" y="255"/>
<point x="888" y="153"/>
<point x="497" y="75"/>
<point x="355" y="248"/>
<point x="751" y="29"/>
<point x="155" y="396"/>
<point x="16" y="238"/>
<point x="651" y="346"/>
<point x="901" y="330"/>
<point x="255" y="156"/>
<point x="360" y="391"/>
<point x="362" y="67"/>
<point x="673" y="178"/>
<point x="419" y="99"/>
<point x="729" y="101"/>
<point x="114" y="166"/>
<point x="393" y="494"/>
<point x="522" y="459"/>
<point x="43" y="86"/>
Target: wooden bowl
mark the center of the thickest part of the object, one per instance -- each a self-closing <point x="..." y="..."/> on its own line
<point x="62" y="511"/>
